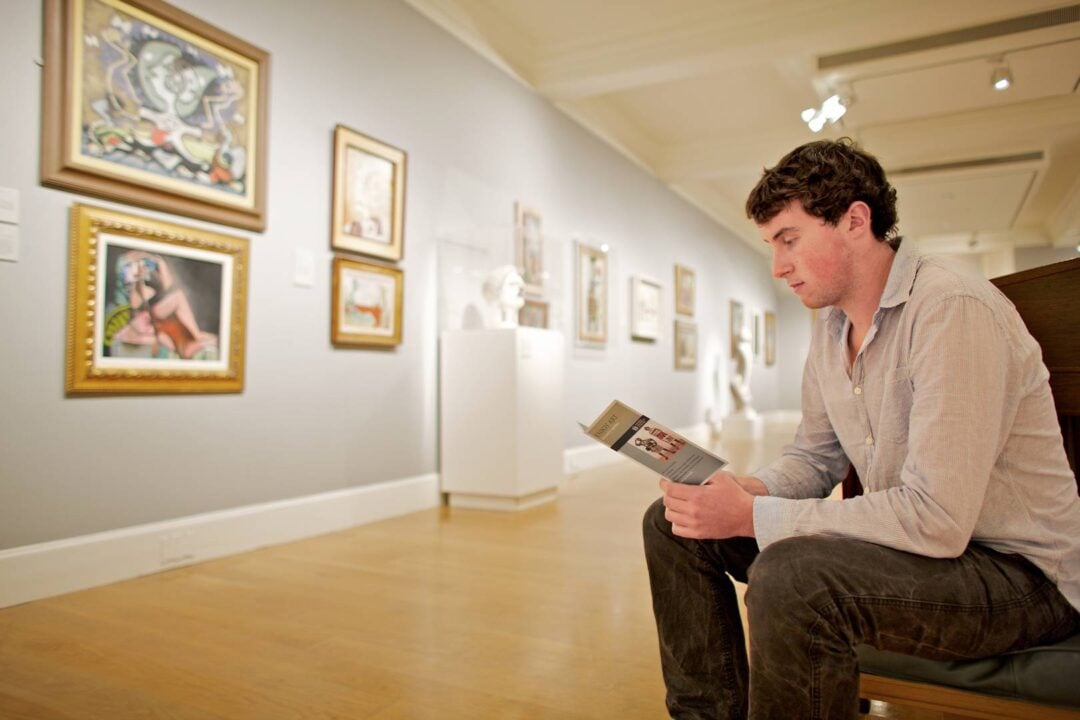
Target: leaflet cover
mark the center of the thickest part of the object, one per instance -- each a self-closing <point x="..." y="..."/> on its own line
<point x="655" y="446"/>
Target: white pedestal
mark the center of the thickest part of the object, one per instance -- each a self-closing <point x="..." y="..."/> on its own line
<point x="501" y="417"/>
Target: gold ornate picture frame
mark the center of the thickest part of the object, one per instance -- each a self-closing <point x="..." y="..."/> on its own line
<point x="150" y="106"/>
<point x="366" y="304"/>
<point x="368" y="215"/>
<point x="153" y="307"/>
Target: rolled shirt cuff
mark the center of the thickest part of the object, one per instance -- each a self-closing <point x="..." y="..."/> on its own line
<point x="770" y="518"/>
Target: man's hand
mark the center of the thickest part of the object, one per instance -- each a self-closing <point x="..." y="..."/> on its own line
<point x="720" y="508"/>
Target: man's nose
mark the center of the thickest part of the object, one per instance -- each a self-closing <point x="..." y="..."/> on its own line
<point x="780" y="264"/>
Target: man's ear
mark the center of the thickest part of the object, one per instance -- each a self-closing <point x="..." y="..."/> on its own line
<point x="857" y="218"/>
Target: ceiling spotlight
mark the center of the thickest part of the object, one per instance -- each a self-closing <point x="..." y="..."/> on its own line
<point x="1001" y="78"/>
<point x="830" y="111"/>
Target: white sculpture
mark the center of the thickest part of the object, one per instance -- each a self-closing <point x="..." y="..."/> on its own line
<point x="740" y="380"/>
<point x="502" y="291"/>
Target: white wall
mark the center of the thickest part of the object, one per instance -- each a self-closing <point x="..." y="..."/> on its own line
<point x="312" y="418"/>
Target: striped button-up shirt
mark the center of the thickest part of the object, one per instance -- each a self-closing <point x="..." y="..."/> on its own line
<point x="946" y="415"/>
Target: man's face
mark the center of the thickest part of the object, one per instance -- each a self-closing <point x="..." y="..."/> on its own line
<point x="810" y="255"/>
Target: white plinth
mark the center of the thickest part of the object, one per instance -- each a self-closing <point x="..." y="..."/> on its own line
<point x="501" y="417"/>
<point x="741" y="440"/>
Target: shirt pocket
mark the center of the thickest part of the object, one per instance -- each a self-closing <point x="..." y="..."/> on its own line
<point x="896" y="400"/>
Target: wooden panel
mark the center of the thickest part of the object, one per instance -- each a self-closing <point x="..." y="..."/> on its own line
<point x="957" y="702"/>
<point x="1048" y="298"/>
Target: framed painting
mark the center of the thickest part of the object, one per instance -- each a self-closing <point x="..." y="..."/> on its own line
<point x="737" y="326"/>
<point x="534" y="313"/>
<point x="147" y="105"/>
<point x="529" y="248"/>
<point x="644" y="309"/>
<point x="684" y="290"/>
<point x="770" y="338"/>
<point x="685" y="345"/>
<point x="369" y="196"/>
<point x="153" y="307"/>
<point x="592" y="295"/>
<point x="366" y="304"/>
<point x="757" y="334"/>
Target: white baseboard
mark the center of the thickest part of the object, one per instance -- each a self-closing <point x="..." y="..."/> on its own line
<point x="585" y="457"/>
<point x="52" y="568"/>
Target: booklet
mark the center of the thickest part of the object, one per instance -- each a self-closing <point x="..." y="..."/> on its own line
<point x="655" y="446"/>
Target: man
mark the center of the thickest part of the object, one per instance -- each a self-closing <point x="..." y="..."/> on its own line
<point x="967" y="540"/>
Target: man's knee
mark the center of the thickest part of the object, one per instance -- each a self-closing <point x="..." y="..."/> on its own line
<point x="654" y="525"/>
<point x="796" y="571"/>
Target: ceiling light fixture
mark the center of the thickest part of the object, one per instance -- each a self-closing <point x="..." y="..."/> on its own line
<point x="1001" y="78"/>
<point x="830" y="111"/>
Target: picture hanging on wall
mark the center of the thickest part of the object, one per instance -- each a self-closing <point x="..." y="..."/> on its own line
<point x="737" y="325"/>
<point x="366" y="304"/>
<point x="592" y="295"/>
<point x="529" y="243"/>
<point x="770" y="338"/>
<point x="369" y="196"/>
<point x="534" y="313"/>
<point x="147" y="105"/>
<point x="685" y="345"/>
<point x="756" y="328"/>
<point x="153" y="307"/>
<point x="684" y="290"/>
<point x="644" y="308"/>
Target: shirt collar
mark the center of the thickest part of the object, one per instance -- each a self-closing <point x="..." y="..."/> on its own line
<point x="897" y="287"/>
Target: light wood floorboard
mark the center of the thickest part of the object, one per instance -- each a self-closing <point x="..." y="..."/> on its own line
<point x="442" y="614"/>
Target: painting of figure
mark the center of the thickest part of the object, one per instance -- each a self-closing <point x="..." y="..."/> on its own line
<point x="530" y="248"/>
<point x="368" y="200"/>
<point x="366" y="304"/>
<point x="592" y="295"/>
<point x="161" y="303"/>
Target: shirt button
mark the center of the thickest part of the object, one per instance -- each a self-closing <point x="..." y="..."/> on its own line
<point x="858" y="391"/>
<point x="869" y="439"/>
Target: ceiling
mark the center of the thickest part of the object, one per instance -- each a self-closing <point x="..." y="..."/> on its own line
<point x="705" y="93"/>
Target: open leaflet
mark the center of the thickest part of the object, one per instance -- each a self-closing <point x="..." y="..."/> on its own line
<point x="655" y="446"/>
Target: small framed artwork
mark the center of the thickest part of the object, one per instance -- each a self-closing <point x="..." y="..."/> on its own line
<point x="757" y="334"/>
<point x="644" y="308"/>
<point x="153" y="307"/>
<point x="369" y="196"/>
<point x="592" y="295"/>
<point x="148" y="105"/>
<point x="534" y="313"/>
<point x="770" y="338"/>
<point x="530" y="248"/>
<point x="737" y="326"/>
<point x="685" y="345"/>
<point x="366" y="304"/>
<point x="684" y="290"/>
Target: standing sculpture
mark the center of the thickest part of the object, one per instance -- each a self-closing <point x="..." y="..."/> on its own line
<point x="740" y="379"/>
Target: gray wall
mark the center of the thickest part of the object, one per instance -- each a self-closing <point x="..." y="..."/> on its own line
<point x="312" y="418"/>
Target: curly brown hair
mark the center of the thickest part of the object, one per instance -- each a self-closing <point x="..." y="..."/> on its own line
<point x="826" y="176"/>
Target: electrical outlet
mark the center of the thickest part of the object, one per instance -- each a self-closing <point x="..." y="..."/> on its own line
<point x="177" y="547"/>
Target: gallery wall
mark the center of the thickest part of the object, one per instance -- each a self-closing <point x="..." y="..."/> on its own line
<point x="312" y="418"/>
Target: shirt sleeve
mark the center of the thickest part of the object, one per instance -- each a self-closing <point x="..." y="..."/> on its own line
<point x="812" y="465"/>
<point x="959" y="368"/>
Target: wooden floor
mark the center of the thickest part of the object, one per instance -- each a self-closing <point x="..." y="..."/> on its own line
<point x="441" y="614"/>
